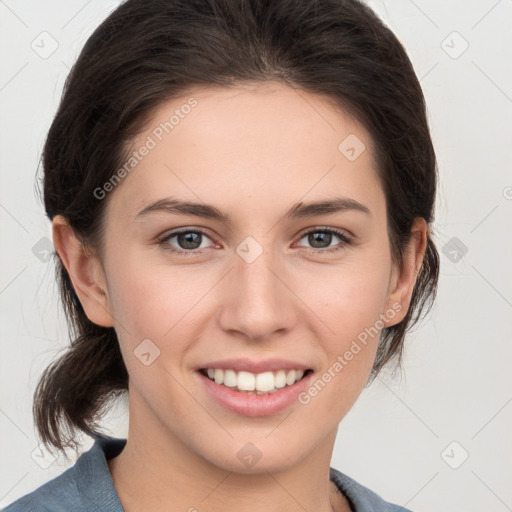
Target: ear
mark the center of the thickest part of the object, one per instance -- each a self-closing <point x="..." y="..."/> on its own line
<point x="85" y="271"/>
<point x="403" y="279"/>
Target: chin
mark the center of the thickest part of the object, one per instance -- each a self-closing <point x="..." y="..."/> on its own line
<point x="255" y="457"/>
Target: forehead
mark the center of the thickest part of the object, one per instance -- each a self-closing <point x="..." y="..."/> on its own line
<point x="263" y="143"/>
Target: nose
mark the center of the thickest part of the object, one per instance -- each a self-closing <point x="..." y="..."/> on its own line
<point x="257" y="300"/>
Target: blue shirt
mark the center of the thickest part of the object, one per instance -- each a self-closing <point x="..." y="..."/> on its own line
<point x="88" y="487"/>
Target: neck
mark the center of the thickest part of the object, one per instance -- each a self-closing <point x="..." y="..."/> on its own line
<point x="158" y="472"/>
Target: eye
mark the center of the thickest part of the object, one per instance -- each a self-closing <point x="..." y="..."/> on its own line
<point x="321" y="238"/>
<point x="188" y="241"/>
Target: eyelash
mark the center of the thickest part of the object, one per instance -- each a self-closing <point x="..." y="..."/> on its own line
<point x="346" y="240"/>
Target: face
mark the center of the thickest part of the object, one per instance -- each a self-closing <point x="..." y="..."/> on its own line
<point x="249" y="279"/>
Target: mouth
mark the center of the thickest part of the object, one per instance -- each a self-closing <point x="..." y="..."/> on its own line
<point x="264" y="383"/>
<point x="254" y="387"/>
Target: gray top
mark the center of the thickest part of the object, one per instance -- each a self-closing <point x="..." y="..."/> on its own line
<point x="87" y="486"/>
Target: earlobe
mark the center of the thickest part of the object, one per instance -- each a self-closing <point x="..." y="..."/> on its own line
<point x="85" y="272"/>
<point x="404" y="278"/>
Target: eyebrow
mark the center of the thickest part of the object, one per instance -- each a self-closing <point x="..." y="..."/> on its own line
<point x="297" y="211"/>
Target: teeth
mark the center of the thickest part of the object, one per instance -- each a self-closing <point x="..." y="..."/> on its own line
<point x="246" y="381"/>
<point x="265" y="381"/>
<point x="280" y="379"/>
<point x="230" y="379"/>
<point x="219" y="376"/>
<point x="261" y="383"/>
<point x="290" y="378"/>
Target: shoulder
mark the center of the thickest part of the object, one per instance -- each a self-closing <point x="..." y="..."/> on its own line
<point x="360" y="497"/>
<point x="85" y="486"/>
<point x="53" y="495"/>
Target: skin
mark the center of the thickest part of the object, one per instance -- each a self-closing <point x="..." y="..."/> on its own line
<point x="252" y="151"/>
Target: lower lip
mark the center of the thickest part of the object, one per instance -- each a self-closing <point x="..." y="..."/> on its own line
<point x="255" y="405"/>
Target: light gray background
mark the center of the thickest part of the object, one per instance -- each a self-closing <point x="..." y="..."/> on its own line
<point x="407" y="437"/>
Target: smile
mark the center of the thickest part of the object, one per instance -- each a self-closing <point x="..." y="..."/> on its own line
<point x="251" y="383"/>
<point x="254" y="394"/>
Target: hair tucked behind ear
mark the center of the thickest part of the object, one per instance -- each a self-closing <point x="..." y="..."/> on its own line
<point x="80" y="384"/>
<point x="148" y="52"/>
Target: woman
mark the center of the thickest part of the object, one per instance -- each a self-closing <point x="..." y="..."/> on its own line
<point x="241" y="196"/>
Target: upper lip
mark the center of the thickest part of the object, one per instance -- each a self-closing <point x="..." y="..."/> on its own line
<point x="247" y="365"/>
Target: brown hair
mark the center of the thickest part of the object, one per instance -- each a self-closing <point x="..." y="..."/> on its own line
<point x="150" y="51"/>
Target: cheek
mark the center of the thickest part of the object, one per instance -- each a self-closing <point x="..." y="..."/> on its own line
<point x="156" y="305"/>
<point x="348" y="297"/>
<point x="149" y="299"/>
<point x="350" y="306"/>
<point x="349" y="301"/>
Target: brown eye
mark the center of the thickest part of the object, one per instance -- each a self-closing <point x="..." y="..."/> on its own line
<point x="188" y="241"/>
<point x="321" y="239"/>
